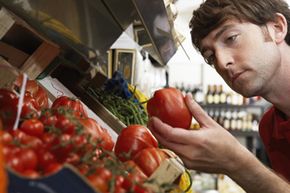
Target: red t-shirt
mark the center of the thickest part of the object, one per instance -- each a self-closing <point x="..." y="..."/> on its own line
<point x="274" y="130"/>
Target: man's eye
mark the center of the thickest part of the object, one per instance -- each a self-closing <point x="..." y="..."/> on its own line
<point x="231" y="38"/>
<point x="210" y="60"/>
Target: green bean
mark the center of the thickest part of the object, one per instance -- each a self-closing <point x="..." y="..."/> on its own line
<point x="126" y="110"/>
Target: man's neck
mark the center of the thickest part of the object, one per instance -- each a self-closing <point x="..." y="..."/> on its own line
<point x="279" y="91"/>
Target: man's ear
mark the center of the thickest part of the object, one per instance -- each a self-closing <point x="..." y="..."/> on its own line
<point x="280" y="28"/>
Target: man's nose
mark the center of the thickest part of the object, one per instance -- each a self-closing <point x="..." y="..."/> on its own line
<point x="223" y="59"/>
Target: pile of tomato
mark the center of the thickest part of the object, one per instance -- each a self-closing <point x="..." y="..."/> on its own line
<point x="49" y="136"/>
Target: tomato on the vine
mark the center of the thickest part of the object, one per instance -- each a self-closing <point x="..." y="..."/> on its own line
<point x="24" y="139"/>
<point x="33" y="174"/>
<point x="135" y="175"/>
<point x="100" y="179"/>
<point x="169" y="106"/>
<point x="32" y="127"/>
<point x="65" y="124"/>
<point x="72" y="158"/>
<point x="22" y="160"/>
<point x="132" y="139"/>
<point x="62" y="147"/>
<point x="6" y="138"/>
<point x="99" y="183"/>
<point x="48" y="118"/>
<point x="52" y="168"/>
<point x="45" y="158"/>
<point x="49" y="140"/>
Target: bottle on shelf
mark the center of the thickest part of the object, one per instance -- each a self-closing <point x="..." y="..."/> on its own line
<point x="235" y="99"/>
<point x="229" y="98"/>
<point x="216" y="115"/>
<point x="227" y="120"/>
<point x="233" y="120"/>
<point x="240" y="120"/>
<point x="249" y="119"/>
<point x="211" y="113"/>
<point x="221" y="117"/>
<point x="245" y="123"/>
<point x="209" y="95"/>
<point x="223" y="97"/>
<point x="255" y="123"/>
<point x="216" y="94"/>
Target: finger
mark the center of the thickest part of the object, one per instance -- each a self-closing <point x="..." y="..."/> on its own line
<point x="190" y="154"/>
<point x="176" y="135"/>
<point x="197" y="112"/>
<point x="194" y="164"/>
<point x="179" y="149"/>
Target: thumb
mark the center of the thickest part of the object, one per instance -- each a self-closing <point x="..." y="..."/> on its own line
<point x="197" y="112"/>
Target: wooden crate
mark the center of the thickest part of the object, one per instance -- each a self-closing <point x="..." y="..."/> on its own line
<point x="24" y="47"/>
<point x="8" y="73"/>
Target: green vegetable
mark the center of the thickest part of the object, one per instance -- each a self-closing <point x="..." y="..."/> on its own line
<point x="126" y="110"/>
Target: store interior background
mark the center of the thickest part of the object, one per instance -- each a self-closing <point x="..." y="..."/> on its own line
<point x="186" y="68"/>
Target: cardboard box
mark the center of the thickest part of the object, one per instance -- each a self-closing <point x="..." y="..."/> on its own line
<point x="24" y="47"/>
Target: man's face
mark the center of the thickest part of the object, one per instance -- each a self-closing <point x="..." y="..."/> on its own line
<point x="243" y="54"/>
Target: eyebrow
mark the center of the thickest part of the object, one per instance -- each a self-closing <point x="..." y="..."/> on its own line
<point x="218" y="34"/>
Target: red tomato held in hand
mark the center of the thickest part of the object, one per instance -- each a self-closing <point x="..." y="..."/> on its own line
<point x="132" y="139"/>
<point x="69" y="103"/>
<point x="149" y="159"/>
<point x="169" y="106"/>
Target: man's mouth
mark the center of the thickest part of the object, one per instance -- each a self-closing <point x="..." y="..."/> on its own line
<point x="235" y="77"/>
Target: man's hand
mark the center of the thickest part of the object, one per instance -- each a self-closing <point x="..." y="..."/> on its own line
<point x="213" y="149"/>
<point x="209" y="149"/>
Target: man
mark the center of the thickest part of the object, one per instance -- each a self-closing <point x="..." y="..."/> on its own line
<point x="247" y="42"/>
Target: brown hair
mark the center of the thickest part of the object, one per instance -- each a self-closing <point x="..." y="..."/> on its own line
<point x="213" y="13"/>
